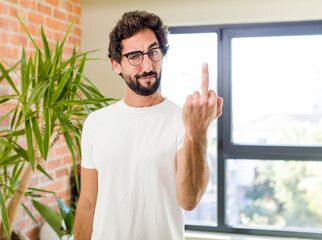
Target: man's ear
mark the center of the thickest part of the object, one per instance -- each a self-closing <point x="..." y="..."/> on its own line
<point x="116" y="66"/>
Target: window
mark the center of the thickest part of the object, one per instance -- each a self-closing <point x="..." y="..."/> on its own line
<point x="181" y="76"/>
<point x="279" y="79"/>
<point x="265" y="152"/>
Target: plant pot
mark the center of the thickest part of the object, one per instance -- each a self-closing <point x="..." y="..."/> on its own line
<point x="47" y="233"/>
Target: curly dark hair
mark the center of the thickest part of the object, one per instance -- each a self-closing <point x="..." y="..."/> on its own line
<point x="130" y="24"/>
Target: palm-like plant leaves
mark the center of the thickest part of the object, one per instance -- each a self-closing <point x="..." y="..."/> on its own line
<point x="53" y="100"/>
<point x="4" y="215"/>
<point x="53" y="218"/>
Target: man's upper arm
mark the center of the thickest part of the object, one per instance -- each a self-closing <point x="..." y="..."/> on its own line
<point x="89" y="187"/>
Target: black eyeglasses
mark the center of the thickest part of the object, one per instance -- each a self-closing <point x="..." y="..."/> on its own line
<point x="136" y="57"/>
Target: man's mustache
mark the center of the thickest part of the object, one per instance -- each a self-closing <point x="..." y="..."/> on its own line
<point x="146" y="74"/>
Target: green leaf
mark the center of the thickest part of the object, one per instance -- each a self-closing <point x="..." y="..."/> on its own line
<point x="9" y="96"/>
<point x="40" y="190"/>
<point x="47" y="133"/>
<point x="42" y="93"/>
<point x="9" y="190"/>
<point x="73" y="58"/>
<point x="5" y="153"/>
<point x="37" y="133"/>
<point x="92" y="90"/>
<point x="72" y="129"/>
<point x="9" y="160"/>
<point x="64" y="209"/>
<point x="90" y="95"/>
<point x="40" y="168"/>
<point x="48" y="67"/>
<point x="30" y="214"/>
<point x="20" y="150"/>
<point x="26" y="82"/>
<point x="18" y="122"/>
<point x="30" y="144"/>
<point x="34" y="92"/>
<point x="24" y="27"/>
<point x="69" y="223"/>
<point x="13" y="120"/>
<point x="29" y="115"/>
<point x="61" y="85"/>
<point x="14" y="67"/>
<point x="52" y="217"/>
<point x="17" y="172"/>
<point x="4" y="100"/>
<point x="46" y="46"/>
<point x="89" y="82"/>
<point x="34" y="69"/>
<point x="78" y="144"/>
<point x="5" y="143"/>
<point x="56" y="59"/>
<point x="9" y="79"/>
<point x="68" y="31"/>
<point x="40" y="69"/>
<point x="23" y="69"/>
<point x="67" y="215"/>
<point x="14" y="171"/>
<point x="5" y="116"/>
<point x="32" y="195"/>
<point x="70" y="145"/>
<point x="51" y="88"/>
<point x="4" y="215"/>
<point x="80" y="69"/>
<point x="85" y="101"/>
<point x="15" y="133"/>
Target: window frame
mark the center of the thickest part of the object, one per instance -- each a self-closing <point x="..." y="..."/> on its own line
<point x="226" y="148"/>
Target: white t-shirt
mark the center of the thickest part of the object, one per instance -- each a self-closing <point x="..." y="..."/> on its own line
<point x="134" y="151"/>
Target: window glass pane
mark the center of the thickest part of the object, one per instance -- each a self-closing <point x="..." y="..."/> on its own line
<point x="277" y="90"/>
<point x="181" y="76"/>
<point x="274" y="194"/>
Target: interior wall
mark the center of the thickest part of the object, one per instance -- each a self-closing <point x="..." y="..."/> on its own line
<point x="100" y="16"/>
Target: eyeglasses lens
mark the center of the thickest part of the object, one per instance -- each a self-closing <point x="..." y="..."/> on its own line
<point x="154" y="54"/>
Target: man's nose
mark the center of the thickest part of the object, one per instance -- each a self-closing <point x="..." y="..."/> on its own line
<point x="146" y="64"/>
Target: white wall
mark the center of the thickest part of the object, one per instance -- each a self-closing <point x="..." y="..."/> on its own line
<point x="100" y="16"/>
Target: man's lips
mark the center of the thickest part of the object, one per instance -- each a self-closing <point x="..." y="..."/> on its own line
<point x="147" y="78"/>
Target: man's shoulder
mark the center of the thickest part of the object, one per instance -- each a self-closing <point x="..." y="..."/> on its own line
<point x="173" y="106"/>
<point x="102" y="113"/>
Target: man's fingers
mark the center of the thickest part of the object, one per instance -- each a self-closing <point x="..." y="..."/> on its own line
<point x="212" y="94"/>
<point x="220" y="103"/>
<point x="196" y="96"/>
<point x="205" y="80"/>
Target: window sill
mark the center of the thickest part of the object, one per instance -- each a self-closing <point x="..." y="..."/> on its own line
<point x="195" y="235"/>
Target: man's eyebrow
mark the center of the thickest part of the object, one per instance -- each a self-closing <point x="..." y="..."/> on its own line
<point x="153" y="45"/>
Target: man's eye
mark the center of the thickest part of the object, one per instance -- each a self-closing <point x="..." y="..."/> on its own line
<point x="153" y="52"/>
<point x="134" y="56"/>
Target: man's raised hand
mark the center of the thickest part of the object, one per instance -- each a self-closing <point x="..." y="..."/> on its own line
<point x="201" y="109"/>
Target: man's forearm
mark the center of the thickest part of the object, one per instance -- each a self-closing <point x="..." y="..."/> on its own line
<point x="192" y="171"/>
<point x="83" y="224"/>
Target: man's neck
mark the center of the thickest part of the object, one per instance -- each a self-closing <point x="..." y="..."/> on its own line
<point x="135" y="100"/>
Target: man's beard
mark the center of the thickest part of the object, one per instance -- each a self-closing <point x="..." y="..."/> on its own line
<point x="138" y="88"/>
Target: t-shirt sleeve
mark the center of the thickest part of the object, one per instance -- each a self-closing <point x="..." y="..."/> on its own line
<point x="87" y="144"/>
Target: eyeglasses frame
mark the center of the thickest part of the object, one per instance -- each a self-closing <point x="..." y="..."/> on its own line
<point x="142" y="53"/>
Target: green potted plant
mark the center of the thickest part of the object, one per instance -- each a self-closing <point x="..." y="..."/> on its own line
<point x="52" y="101"/>
<point x="62" y="222"/>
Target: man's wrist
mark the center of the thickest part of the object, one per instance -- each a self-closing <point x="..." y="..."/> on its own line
<point x="197" y="138"/>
